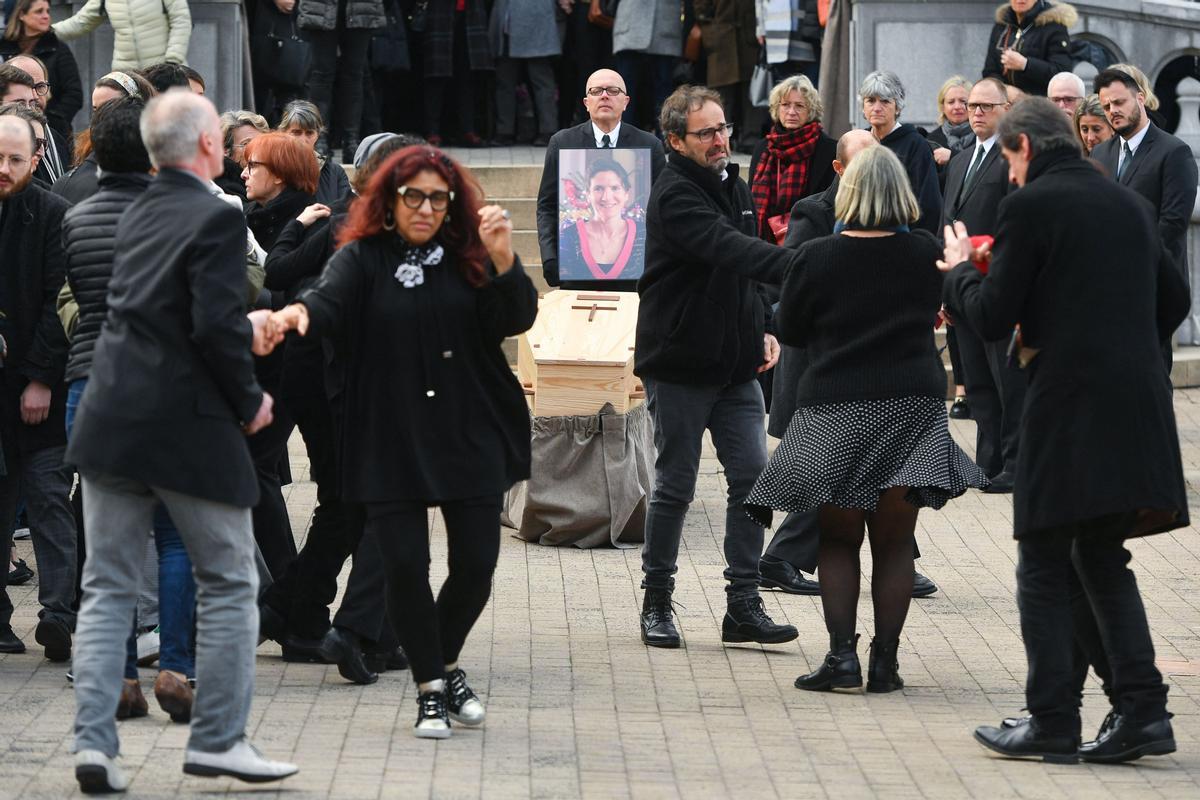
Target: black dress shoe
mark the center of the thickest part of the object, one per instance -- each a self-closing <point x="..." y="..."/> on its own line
<point x="747" y="621"/>
<point x="341" y="647"/>
<point x="840" y="670"/>
<point x="775" y="573"/>
<point x="1015" y="722"/>
<point x="922" y="586"/>
<point x="20" y="574"/>
<point x="10" y="642"/>
<point x="303" y="651"/>
<point x="55" y="636"/>
<point x="542" y="140"/>
<point x="386" y="660"/>
<point x="1126" y="740"/>
<point x="1001" y="484"/>
<point x="658" y="619"/>
<point x="960" y="409"/>
<point x="1027" y="741"/>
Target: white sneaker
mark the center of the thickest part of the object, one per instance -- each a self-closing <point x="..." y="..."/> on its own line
<point x="242" y="761"/>
<point x="21" y="533"/>
<point x="147" y="647"/>
<point x="98" y="774"/>
<point x="462" y="703"/>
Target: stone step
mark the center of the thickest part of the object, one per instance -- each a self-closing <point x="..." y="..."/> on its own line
<point x="508" y="181"/>
<point x="523" y="210"/>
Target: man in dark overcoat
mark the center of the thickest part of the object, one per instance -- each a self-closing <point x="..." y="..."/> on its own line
<point x="1099" y="458"/>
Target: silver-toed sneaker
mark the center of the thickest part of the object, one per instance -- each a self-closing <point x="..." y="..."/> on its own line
<point x="463" y="704"/>
<point x="432" y="721"/>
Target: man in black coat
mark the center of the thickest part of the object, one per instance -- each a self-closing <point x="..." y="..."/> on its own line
<point x="701" y="342"/>
<point x="55" y="158"/>
<point x="605" y="101"/>
<point x="1091" y="474"/>
<point x="32" y="394"/>
<point x="170" y="399"/>
<point x="976" y="182"/>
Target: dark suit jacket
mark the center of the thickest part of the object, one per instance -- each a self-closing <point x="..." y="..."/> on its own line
<point x="171" y="377"/>
<point x="977" y="206"/>
<point x="580" y="136"/>
<point x="1164" y="172"/>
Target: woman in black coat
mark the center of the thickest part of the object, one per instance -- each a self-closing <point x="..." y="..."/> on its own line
<point x="1029" y="44"/>
<point x="28" y="32"/>
<point x="417" y="302"/>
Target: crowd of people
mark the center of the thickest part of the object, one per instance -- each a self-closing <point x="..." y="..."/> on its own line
<point x="184" y="289"/>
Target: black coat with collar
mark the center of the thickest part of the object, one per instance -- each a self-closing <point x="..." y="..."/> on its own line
<point x="171" y="380"/>
<point x="1098" y="429"/>
<point x="978" y="205"/>
<point x="579" y="137"/>
<point x="1043" y="40"/>
<point x="1164" y="172"/>
<point x="30" y="279"/>
<point x="914" y="152"/>
<point x="80" y="183"/>
<point x="702" y="317"/>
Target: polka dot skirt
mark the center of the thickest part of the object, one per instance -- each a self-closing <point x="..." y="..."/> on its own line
<point x="847" y="454"/>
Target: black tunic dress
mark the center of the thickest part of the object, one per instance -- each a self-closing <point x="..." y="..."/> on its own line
<point x="433" y="411"/>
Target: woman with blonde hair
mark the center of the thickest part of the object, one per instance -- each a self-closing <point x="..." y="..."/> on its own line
<point x="869" y="444"/>
<point x="953" y="132"/>
<point x="1091" y="125"/>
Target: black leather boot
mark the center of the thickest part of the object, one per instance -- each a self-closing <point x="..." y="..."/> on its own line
<point x="350" y="141"/>
<point x="841" y="669"/>
<point x="747" y="621"/>
<point x="1122" y="739"/>
<point x="883" y="671"/>
<point x="320" y="92"/>
<point x="658" y="619"/>
<point x="342" y="647"/>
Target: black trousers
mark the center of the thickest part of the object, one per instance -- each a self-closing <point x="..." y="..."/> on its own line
<point x="996" y="393"/>
<point x="335" y="84"/>
<point x="1095" y="552"/>
<point x="433" y="632"/>
<point x="956" y="367"/>
<point x="798" y="538"/>
<point x="272" y="528"/>
<point x="460" y="87"/>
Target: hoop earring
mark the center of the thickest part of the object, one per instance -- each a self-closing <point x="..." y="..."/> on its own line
<point x="389" y="221"/>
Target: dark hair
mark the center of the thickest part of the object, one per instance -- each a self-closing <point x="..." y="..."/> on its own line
<point x="15" y="29"/>
<point x="193" y="75"/>
<point x="1110" y="76"/>
<point x="287" y="159"/>
<point x="685" y="99"/>
<point x="609" y="165"/>
<point x="30" y="113"/>
<point x="10" y="75"/>
<point x="140" y="83"/>
<point x="459" y="233"/>
<point x="165" y="75"/>
<point x="117" y="138"/>
<point x="1042" y="122"/>
<point x="382" y="152"/>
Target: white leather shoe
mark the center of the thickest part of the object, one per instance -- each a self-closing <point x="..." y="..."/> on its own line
<point x="98" y="774"/>
<point x="242" y="761"/>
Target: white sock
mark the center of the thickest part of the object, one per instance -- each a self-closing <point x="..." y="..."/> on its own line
<point x="451" y="667"/>
<point x="432" y="686"/>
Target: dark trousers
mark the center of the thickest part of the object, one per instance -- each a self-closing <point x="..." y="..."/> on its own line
<point x="996" y="392"/>
<point x="335" y="84"/>
<point x="590" y="47"/>
<point x="1096" y="553"/>
<point x="798" y="538"/>
<point x="460" y="87"/>
<point x="956" y="366"/>
<point x="433" y="632"/>
<point x="541" y="79"/>
<point x="646" y="76"/>
<point x="272" y="528"/>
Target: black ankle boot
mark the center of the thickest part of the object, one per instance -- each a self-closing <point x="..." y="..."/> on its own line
<point x="658" y="619"/>
<point x="883" y="670"/>
<point x="841" y="669"/>
<point x="747" y="621"/>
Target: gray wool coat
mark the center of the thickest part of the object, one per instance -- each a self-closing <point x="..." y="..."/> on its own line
<point x="648" y="26"/>
<point x="532" y="26"/>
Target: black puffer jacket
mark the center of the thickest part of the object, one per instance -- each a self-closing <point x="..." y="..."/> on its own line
<point x="322" y="15"/>
<point x="1041" y="37"/>
<point x="89" y="233"/>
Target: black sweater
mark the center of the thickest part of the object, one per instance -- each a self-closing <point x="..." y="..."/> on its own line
<point x="864" y="310"/>
<point x="917" y="157"/>
<point x="702" y="318"/>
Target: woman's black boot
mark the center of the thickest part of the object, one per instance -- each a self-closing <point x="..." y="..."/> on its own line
<point x="883" y="670"/>
<point x="841" y="669"/>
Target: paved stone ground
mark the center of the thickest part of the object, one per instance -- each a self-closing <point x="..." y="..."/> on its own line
<point x="579" y="708"/>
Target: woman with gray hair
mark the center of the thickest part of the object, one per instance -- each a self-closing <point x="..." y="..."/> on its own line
<point x="302" y="120"/>
<point x="869" y="444"/>
<point x="882" y="97"/>
<point x="795" y="159"/>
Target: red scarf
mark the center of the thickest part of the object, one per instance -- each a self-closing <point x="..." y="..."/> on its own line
<point x="782" y="174"/>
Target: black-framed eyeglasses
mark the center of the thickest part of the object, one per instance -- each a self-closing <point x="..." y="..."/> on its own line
<point x="1065" y="100"/>
<point x="254" y="164"/>
<point x="984" y="107"/>
<point x="41" y="145"/>
<point x="42" y="88"/>
<point x="415" y="198"/>
<point x="705" y="135"/>
<point x="611" y="91"/>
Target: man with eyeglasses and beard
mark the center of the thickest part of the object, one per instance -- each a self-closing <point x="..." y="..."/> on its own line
<point x="701" y="341"/>
<point x="55" y="160"/>
<point x="605" y="100"/>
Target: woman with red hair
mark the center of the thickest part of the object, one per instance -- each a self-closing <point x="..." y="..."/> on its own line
<point x="417" y="302"/>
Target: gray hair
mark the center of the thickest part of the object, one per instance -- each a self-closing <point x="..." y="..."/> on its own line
<point x="232" y="120"/>
<point x="886" y="86"/>
<point x="684" y="100"/>
<point x="1042" y="122"/>
<point x="302" y="114"/>
<point x="1075" y="81"/>
<point x="874" y="192"/>
<point x="801" y="84"/>
<point x="172" y="125"/>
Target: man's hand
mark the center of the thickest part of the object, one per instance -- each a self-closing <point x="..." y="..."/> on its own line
<point x="266" y="335"/>
<point x="285" y="6"/>
<point x="958" y="248"/>
<point x="1013" y="61"/>
<point x="35" y="403"/>
<point x="263" y="418"/>
<point x="941" y="156"/>
<point x="770" y="352"/>
<point x="290" y="318"/>
<point x="313" y="213"/>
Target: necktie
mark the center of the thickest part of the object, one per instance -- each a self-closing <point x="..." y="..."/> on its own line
<point x="1124" y="165"/>
<point x="605" y="141"/>
<point x="974" y="168"/>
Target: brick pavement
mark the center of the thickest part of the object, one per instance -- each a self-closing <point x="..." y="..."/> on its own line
<point x="579" y="708"/>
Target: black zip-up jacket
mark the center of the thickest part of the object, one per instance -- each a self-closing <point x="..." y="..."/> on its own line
<point x="89" y="237"/>
<point x="1043" y="39"/>
<point x="702" y="317"/>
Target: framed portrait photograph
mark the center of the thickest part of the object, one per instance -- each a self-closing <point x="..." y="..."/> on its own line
<point x="602" y="217"/>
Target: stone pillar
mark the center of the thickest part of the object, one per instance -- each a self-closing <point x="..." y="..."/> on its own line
<point x="1189" y="130"/>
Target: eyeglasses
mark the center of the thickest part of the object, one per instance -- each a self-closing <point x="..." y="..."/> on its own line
<point x="984" y="107"/>
<point x="251" y="165"/>
<point x="42" y="88"/>
<point x="611" y="91"/>
<point x="793" y="107"/>
<point x="705" y="135"/>
<point x="41" y="145"/>
<point x="1065" y="100"/>
<point x="242" y="145"/>
<point x="29" y="103"/>
<point x="415" y="198"/>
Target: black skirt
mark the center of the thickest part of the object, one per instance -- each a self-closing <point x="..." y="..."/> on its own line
<point x="847" y="454"/>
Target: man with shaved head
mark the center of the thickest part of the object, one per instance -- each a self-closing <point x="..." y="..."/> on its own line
<point x="170" y="399"/>
<point x="32" y="394"/>
<point x="605" y="100"/>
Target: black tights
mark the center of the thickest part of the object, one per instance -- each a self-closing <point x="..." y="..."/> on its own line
<point x="891" y="528"/>
<point x="433" y="634"/>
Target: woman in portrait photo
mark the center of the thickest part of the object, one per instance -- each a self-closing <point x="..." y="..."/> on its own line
<point x="609" y="244"/>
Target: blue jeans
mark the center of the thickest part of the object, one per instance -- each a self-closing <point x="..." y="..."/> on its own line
<point x="176" y="587"/>
<point x="735" y="417"/>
